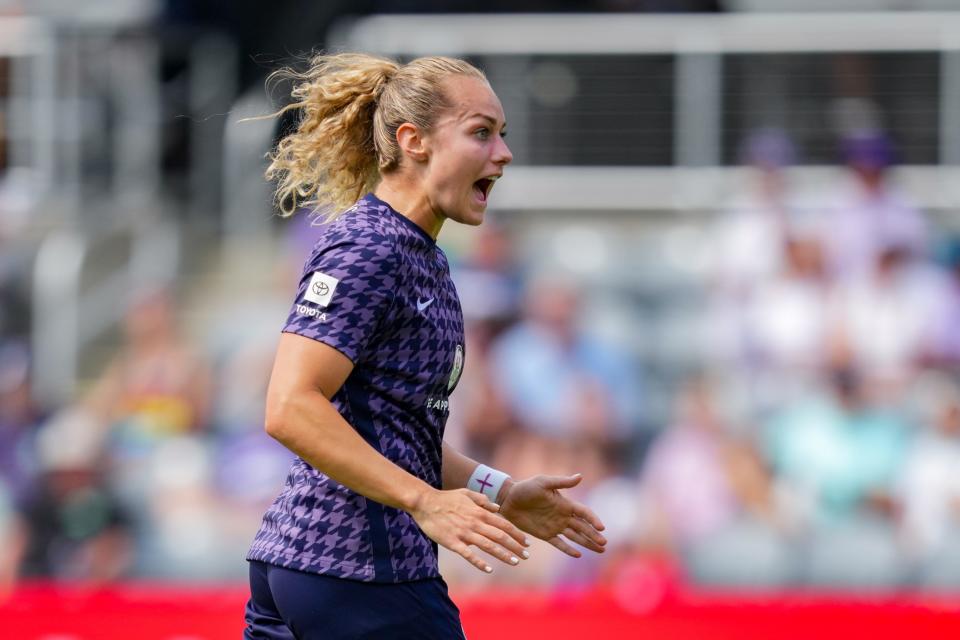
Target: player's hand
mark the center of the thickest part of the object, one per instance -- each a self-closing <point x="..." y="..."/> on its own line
<point x="462" y="518"/>
<point x="537" y="506"/>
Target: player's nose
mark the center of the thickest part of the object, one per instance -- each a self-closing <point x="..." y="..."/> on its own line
<point x="502" y="154"/>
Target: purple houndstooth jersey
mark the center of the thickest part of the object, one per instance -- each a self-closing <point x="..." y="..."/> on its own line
<point x="378" y="289"/>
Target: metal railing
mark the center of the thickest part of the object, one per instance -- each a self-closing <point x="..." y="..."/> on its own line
<point x="31" y="49"/>
<point x="699" y="47"/>
<point x="86" y="96"/>
<point x="246" y="194"/>
<point x="69" y="313"/>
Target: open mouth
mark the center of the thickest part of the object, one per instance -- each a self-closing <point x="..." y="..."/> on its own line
<point x="482" y="187"/>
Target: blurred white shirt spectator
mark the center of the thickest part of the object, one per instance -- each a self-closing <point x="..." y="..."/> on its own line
<point x="886" y="319"/>
<point x="747" y="240"/>
<point x="786" y="319"/>
<point x="929" y="487"/>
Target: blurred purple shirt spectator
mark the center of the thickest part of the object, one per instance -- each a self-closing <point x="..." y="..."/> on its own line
<point x="19" y="419"/>
<point x="946" y="334"/>
<point x="869" y="212"/>
<point x="684" y="474"/>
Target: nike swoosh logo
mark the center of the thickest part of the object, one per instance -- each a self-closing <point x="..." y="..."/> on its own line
<point x="423" y="305"/>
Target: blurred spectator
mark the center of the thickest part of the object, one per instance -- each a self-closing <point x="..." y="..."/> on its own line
<point x="559" y="381"/>
<point x="748" y="239"/>
<point x="572" y="399"/>
<point x="155" y="390"/>
<point x="944" y="347"/>
<point x="712" y="498"/>
<point x="488" y="280"/>
<point x="836" y="456"/>
<point x="748" y="244"/>
<point x="838" y="449"/>
<point x="768" y="289"/>
<point x="480" y="416"/>
<point x="929" y="486"/>
<point x="158" y="385"/>
<point x="77" y="529"/>
<point x="13" y="539"/>
<point x="870" y="213"/>
<point x="884" y="320"/>
<point x="786" y="328"/>
<point x="19" y="420"/>
<point x="188" y="535"/>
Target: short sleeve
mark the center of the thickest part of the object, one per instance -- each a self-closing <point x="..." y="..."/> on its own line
<point x="347" y="287"/>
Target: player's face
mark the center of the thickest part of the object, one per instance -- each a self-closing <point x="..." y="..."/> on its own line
<point x="467" y="152"/>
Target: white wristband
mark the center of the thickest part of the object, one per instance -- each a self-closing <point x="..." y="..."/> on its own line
<point x="487" y="481"/>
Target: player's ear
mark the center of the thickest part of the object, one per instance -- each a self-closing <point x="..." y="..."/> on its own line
<point x="411" y="142"/>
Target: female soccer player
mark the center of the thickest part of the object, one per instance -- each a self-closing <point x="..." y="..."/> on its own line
<point x="369" y="356"/>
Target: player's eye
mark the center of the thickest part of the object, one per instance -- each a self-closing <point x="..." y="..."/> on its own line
<point x="483" y="133"/>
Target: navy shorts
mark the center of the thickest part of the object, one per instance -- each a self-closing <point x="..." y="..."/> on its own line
<point x="286" y="604"/>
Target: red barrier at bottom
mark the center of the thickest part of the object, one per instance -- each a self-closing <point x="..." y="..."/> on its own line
<point x="166" y="612"/>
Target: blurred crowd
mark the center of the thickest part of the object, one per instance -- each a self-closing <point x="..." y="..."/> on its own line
<point x="832" y="328"/>
<point x="815" y="444"/>
<point x="816" y="441"/>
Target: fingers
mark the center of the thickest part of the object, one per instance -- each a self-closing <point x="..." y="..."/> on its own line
<point x="576" y="536"/>
<point x="482" y="501"/>
<point x="494" y="535"/>
<point x="495" y="542"/>
<point x="471" y="557"/>
<point x="503" y="540"/>
<point x="585" y="520"/>
<point x="579" y="510"/>
<point x="562" y="545"/>
<point x="500" y="523"/>
<point x="585" y="513"/>
<point x="511" y="530"/>
<point x="584" y="528"/>
<point x="490" y="547"/>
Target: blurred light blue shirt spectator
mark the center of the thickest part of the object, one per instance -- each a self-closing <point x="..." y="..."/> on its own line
<point x="558" y="380"/>
<point x="836" y="450"/>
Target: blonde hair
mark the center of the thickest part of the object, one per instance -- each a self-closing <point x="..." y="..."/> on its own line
<point x="351" y="105"/>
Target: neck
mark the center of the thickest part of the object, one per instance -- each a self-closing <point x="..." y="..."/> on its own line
<point x="410" y="201"/>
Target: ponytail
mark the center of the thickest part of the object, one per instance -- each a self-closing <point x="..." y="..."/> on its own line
<point x="330" y="159"/>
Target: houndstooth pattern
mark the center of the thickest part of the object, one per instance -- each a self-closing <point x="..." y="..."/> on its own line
<point x="395" y="313"/>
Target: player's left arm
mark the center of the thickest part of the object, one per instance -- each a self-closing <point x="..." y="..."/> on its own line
<point x="535" y="505"/>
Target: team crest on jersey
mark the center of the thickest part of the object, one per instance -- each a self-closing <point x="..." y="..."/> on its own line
<point x="457" y="367"/>
<point x="320" y="289"/>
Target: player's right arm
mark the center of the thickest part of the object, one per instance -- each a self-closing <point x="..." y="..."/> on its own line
<point x="299" y="414"/>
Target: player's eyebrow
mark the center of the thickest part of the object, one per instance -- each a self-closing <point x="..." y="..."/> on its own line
<point x="490" y="119"/>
